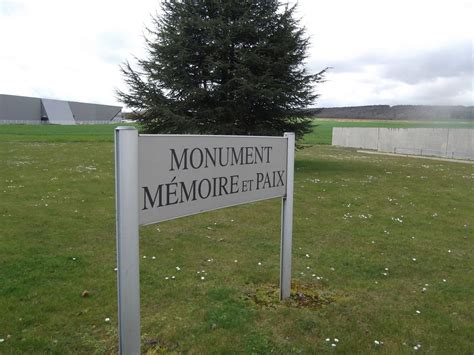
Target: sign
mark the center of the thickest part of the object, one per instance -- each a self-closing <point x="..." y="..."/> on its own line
<point x="161" y="177"/>
<point x="184" y="175"/>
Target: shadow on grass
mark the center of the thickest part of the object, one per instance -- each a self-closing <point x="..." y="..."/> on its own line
<point x="322" y="165"/>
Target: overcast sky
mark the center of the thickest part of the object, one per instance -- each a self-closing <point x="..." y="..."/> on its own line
<point x="382" y="51"/>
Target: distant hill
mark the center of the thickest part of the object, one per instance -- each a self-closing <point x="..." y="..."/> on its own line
<point x="399" y="112"/>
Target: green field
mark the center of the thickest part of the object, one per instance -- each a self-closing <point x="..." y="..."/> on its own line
<point x="382" y="251"/>
<point x="322" y="130"/>
<point x="55" y="133"/>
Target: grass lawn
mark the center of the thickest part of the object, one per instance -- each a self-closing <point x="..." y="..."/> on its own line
<point x="382" y="247"/>
<point x="56" y="133"/>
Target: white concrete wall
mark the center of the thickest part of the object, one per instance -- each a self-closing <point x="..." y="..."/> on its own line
<point x="366" y="138"/>
<point x="457" y="143"/>
<point x="461" y="144"/>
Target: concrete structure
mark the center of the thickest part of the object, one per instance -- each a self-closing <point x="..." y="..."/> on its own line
<point x="453" y="143"/>
<point x="356" y="137"/>
<point x="33" y="110"/>
<point x="58" y="112"/>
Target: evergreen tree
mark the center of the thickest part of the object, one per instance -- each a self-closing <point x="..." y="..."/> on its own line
<point x="222" y="67"/>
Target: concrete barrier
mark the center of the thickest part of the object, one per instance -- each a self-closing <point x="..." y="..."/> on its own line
<point x="454" y="143"/>
<point x="366" y="138"/>
<point x="461" y="144"/>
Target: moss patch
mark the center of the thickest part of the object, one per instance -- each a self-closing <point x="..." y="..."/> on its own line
<point x="303" y="295"/>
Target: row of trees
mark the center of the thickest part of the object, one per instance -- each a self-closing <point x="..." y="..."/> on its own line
<point x="222" y="67"/>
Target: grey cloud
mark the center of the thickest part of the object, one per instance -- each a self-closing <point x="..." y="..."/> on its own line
<point x="352" y="65"/>
<point x="452" y="61"/>
<point x="450" y="92"/>
<point x="438" y="76"/>
<point x="411" y="68"/>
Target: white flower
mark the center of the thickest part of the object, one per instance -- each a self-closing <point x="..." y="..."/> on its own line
<point x="2" y="340"/>
<point x="336" y="340"/>
<point x="107" y="319"/>
<point x="144" y="256"/>
<point x="153" y="257"/>
<point x="414" y="259"/>
<point x="417" y="312"/>
<point x="307" y="255"/>
<point x="444" y="280"/>
<point x="202" y="277"/>
<point x="236" y="261"/>
<point x="327" y="339"/>
<point x="377" y="342"/>
<point x="259" y="263"/>
<point x="333" y="345"/>
<point x="178" y="268"/>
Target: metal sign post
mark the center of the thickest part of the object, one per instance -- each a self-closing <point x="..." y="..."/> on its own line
<point x="128" y="278"/>
<point x="287" y="221"/>
<point x="162" y="177"/>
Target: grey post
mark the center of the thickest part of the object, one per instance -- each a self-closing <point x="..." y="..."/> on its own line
<point x="128" y="283"/>
<point x="287" y="222"/>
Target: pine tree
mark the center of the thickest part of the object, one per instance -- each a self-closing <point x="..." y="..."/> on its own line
<point x="223" y="67"/>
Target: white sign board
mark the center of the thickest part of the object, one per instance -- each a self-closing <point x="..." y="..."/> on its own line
<point x="161" y="177"/>
<point x="184" y="175"/>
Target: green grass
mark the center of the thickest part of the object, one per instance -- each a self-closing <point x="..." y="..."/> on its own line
<point x="56" y="133"/>
<point x="355" y="216"/>
<point x="322" y="128"/>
